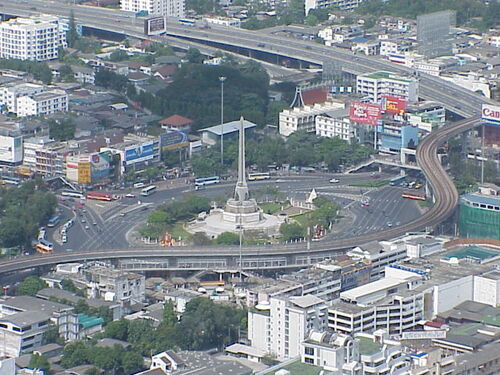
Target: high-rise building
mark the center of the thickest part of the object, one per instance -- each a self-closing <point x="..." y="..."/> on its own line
<point x="169" y="8"/>
<point x="36" y="38"/>
<point x="341" y="4"/>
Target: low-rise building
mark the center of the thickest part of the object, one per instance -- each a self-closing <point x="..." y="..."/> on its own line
<point x="335" y="124"/>
<point x="44" y="156"/>
<point x="223" y="21"/>
<point x="374" y="86"/>
<point x="10" y="93"/>
<point x="396" y="135"/>
<point x="427" y="116"/>
<point x="11" y="143"/>
<point x="136" y="152"/>
<point x="304" y="118"/>
<point x="43" y="103"/>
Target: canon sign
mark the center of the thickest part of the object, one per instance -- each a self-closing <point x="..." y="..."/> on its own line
<point x="491" y="114"/>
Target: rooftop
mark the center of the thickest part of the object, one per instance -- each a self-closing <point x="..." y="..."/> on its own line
<point x="368" y="346"/>
<point x="386" y="75"/>
<point x="176" y="120"/>
<point x="26" y="318"/>
<point x="474" y="252"/>
<point x="28" y="303"/>
<point x="306" y="301"/>
<point x="482" y="199"/>
<point x="228" y="127"/>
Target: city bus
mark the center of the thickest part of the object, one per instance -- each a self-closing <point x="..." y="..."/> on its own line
<point x="259" y="176"/>
<point x="148" y="190"/>
<point x="98" y="196"/>
<point x="187" y="22"/>
<point x="397" y="181"/>
<point x="417" y="197"/>
<point x="53" y="221"/>
<point x="72" y="193"/>
<point x="44" y="247"/>
<point x="10" y="180"/>
<point x="206" y="181"/>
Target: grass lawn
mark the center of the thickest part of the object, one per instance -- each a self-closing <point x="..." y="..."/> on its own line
<point x="177" y="230"/>
<point x="299" y="368"/>
<point x="301" y="219"/>
<point x="371" y="184"/>
<point x="271" y="207"/>
<point x="424" y="203"/>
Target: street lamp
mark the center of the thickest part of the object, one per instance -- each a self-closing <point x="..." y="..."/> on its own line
<point x="222" y="79"/>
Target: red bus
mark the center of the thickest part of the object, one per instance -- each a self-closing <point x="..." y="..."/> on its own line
<point x="414" y="196"/>
<point x="98" y="196"/>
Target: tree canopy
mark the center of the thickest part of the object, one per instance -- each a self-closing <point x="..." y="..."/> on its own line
<point x="22" y="211"/>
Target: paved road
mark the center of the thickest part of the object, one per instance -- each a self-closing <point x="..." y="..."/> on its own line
<point x="110" y="228"/>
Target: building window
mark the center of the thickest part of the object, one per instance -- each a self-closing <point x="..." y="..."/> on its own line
<point x="308" y="351"/>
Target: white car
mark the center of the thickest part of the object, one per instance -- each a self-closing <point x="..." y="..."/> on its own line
<point x="64" y="239"/>
<point x="334" y="181"/>
<point x="130" y="196"/>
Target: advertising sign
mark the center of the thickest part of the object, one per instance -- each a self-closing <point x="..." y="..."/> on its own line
<point x="140" y="153"/>
<point x="364" y="113"/>
<point x="100" y="165"/>
<point x="84" y="172"/>
<point x="11" y="149"/>
<point x="173" y="140"/>
<point x="424" y="335"/>
<point x="392" y="104"/>
<point x="155" y="25"/>
<point x="491" y="114"/>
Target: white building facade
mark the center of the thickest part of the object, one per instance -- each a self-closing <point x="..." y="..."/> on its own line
<point x="342" y="4"/>
<point x="36" y="38"/>
<point x="304" y="118"/>
<point x="9" y="94"/>
<point x="376" y="85"/>
<point x="41" y="104"/>
<point x="169" y="8"/>
<point x="330" y="126"/>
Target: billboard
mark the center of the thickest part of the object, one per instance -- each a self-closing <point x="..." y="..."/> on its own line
<point x="155" y="25"/>
<point x="424" y="335"/>
<point x="392" y="104"/>
<point x="100" y="165"/>
<point x="173" y="140"/>
<point x="490" y="114"/>
<point x="11" y="149"/>
<point x="364" y="113"/>
<point x="140" y="153"/>
<point x="84" y="172"/>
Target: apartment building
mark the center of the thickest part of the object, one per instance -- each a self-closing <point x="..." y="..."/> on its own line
<point x="44" y="156"/>
<point x="304" y="118"/>
<point x="363" y="354"/>
<point x="43" y="103"/>
<point x="280" y="326"/>
<point x="392" y="304"/>
<point x="36" y="38"/>
<point x="390" y="47"/>
<point x="335" y="124"/>
<point x="114" y="285"/>
<point x="169" y="8"/>
<point x="22" y="332"/>
<point x="24" y="319"/>
<point x="10" y="93"/>
<point x="426" y="115"/>
<point x="379" y="255"/>
<point x="374" y="86"/>
<point x="341" y="4"/>
<point x="321" y="280"/>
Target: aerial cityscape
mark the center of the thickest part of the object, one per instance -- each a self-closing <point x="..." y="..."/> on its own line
<point x="249" y="187"/>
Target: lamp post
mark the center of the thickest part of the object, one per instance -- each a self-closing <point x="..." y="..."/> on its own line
<point x="222" y="79"/>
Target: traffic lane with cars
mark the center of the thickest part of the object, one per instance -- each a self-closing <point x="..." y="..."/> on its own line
<point x="386" y="208"/>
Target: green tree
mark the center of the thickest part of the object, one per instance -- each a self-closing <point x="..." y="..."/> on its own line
<point x="227" y="238"/>
<point x="132" y="362"/>
<point x="72" y="35"/>
<point x="51" y="336"/>
<point x="62" y="130"/>
<point x="31" y="286"/>
<point x="201" y="239"/>
<point x="194" y="56"/>
<point x="169" y="314"/>
<point x="158" y="217"/>
<point x="92" y="371"/>
<point x="292" y="231"/>
<point x="151" y="173"/>
<point x="117" y="329"/>
<point x="118" y="55"/>
<point x="40" y="362"/>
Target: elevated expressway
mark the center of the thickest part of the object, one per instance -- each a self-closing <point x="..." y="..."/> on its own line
<point x="456" y="99"/>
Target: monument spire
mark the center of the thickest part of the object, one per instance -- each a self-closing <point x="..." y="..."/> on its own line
<point x="241" y="191"/>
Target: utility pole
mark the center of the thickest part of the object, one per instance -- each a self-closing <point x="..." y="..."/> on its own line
<point x="222" y="79"/>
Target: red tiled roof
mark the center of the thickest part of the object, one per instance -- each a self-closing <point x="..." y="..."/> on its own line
<point x="315" y="95"/>
<point x="176" y="120"/>
<point x="434" y="324"/>
<point x="165" y="70"/>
